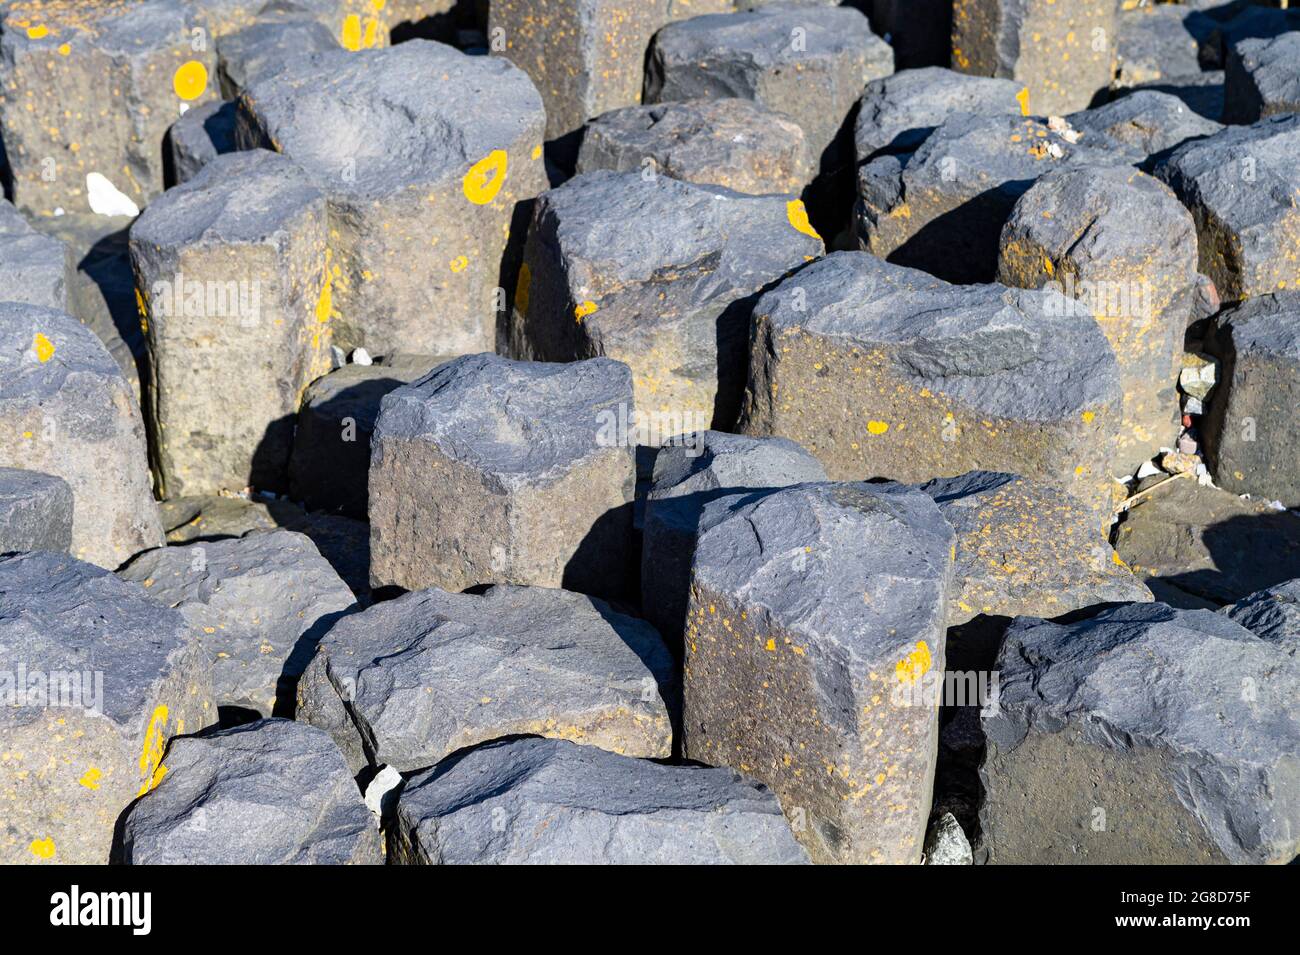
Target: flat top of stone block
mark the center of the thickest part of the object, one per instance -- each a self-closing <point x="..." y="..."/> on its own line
<point x="1147" y="674"/>
<point x="762" y="38"/>
<point x="61" y="614"/>
<point x="1209" y="171"/>
<point x="412" y="114"/>
<point x="41" y="349"/>
<point x="710" y="460"/>
<point x="241" y="197"/>
<point x="1146" y="120"/>
<point x="516" y="419"/>
<point x="20" y="483"/>
<point x="1267" y="325"/>
<point x="123" y="28"/>
<point x="270" y="44"/>
<point x="1006" y="351"/>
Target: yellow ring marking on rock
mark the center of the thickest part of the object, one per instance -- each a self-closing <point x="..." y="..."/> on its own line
<point x="486" y="177"/>
<point x="190" y="80"/>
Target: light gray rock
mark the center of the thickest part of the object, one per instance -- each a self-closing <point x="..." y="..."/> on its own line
<point x="35" y="511"/>
<point x="947" y="844"/>
<point x="34" y="268"/>
<point x="488" y="470"/>
<point x="566" y="804"/>
<point x="815" y="632"/>
<point x="69" y="412"/>
<point x="409" y="681"/>
<point x="272" y="792"/>
<point x="95" y="677"/>
<point x="1142" y="735"/>
<point x="257" y="606"/>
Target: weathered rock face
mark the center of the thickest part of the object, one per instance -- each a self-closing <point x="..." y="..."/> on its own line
<point x="1251" y="431"/>
<point x="267" y="793"/>
<point x="1073" y="232"/>
<point x="734" y="143"/>
<point x="1147" y="123"/>
<point x="884" y="371"/>
<point x="200" y="136"/>
<point x="807" y="62"/>
<point x="1144" y="734"/>
<point x="688" y="476"/>
<point x="97" y="696"/>
<point x="424" y="183"/>
<point x="815" y="614"/>
<point x="670" y="297"/>
<point x="1064" y="52"/>
<point x="267" y="45"/>
<point x="69" y="412"/>
<point x="567" y="804"/>
<point x="34" y="268"/>
<point x="1242" y="186"/>
<point x="1025" y="548"/>
<point x="585" y="56"/>
<point x="1203" y="547"/>
<point x="943" y="207"/>
<point x="409" y="681"/>
<point x="898" y="112"/>
<point x="120" y="73"/>
<point x="256" y="605"/>
<point x="234" y="275"/>
<point x="1272" y="614"/>
<point x="1159" y="43"/>
<point x="331" y="443"/>
<point x="488" y="470"/>
<point x="35" y="511"/>
<point x="1262" y="79"/>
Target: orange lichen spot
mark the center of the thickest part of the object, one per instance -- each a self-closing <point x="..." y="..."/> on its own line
<point x="797" y="213"/>
<point x="350" y="36"/>
<point x="325" y="301"/>
<point x="915" y="665"/>
<point x="90" y="778"/>
<point x="65" y="49"/>
<point x="43" y="347"/>
<point x="1023" y="99"/>
<point x="584" y="309"/>
<point x="459" y="264"/>
<point x="486" y="177"/>
<point x="1088" y="417"/>
<point x="770" y="646"/>
<point x="877" y="427"/>
<point x="38" y="32"/>
<point x="190" y="80"/>
<point x="42" y="848"/>
<point x="537" y="152"/>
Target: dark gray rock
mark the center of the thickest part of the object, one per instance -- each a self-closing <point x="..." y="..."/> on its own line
<point x="1202" y="93"/>
<point x="69" y="412"/>
<point x="488" y="470"/>
<point x="423" y="181"/>
<point x="1272" y="614"/>
<point x="687" y="476"/>
<point x="1262" y="79"/>
<point x="884" y="371"/>
<point x="234" y="276"/>
<point x="543" y="801"/>
<point x="200" y="136"/>
<point x="898" y="112"/>
<point x="1250" y="21"/>
<point x="96" y="678"/>
<point x="331" y="443"/>
<point x="1146" y="122"/>
<point x="815" y="633"/>
<point x="1026" y="549"/>
<point x="807" y="62"/>
<point x="1142" y="735"/>
<point x="920" y="31"/>
<point x="267" y="46"/>
<point x="34" y="268"/>
<point x="1159" y="43"/>
<point x="1250" y="432"/>
<point x="272" y="792"/>
<point x="661" y="275"/>
<point x="257" y="606"/>
<point x="1242" y="186"/>
<point x="735" y="143"/>
<point x="35" y="512"/>
<point x="409" y="681"/>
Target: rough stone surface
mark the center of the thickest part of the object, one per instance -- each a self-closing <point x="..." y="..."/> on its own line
<point x="816" y="613"/>
<point x="947" y="844"/>
<point x="331" y="444"/>
<point x="1073" y="232"/>
<point x="257" y="606"/>
<point x="1159" y="43"/>
<point x="1272" y="614"/>
<point x="735" y="143"/>
<point x="1202" y="93"/>
<point x="670" y="296"/>
<point x="200" y="136"/>
<point x="686" y="477"/>
<point x="410" y="681"/>
<point x="34" y="268"/>
<point x="1262" y="79"/>
<point x="488" y="470"/>
<point x="569" y="804"/>
<point x="233" y="272"/>
<point x="99" y="693"/>
<point x="426" y="155"/>
<point x="272" y="792"/>
<point x="810" y="63"/>
<point x="1204" y="547"/>
<point x="898" y="112"/>
<point x="1243" y="188"/>
<point x="1052" y="48"/>
<point x="1252" y="439"/>
<point x="1174" y="728"/>
<point x="1146" y="122"/>
<point x="35" y="511"/>
<point x="267" y="46"/>
<point x="888" y="372"/>
<point x="69" y="412"/>
<point x="1025" y="548"/>
<point x="119" y="73"/>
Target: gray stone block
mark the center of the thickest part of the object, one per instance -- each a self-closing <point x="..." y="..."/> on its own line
<point x="200" y="136"/>
<point x="34" y="268"/>
<point x="1272" y="614"/>
<point x="35" y="512"/>
<point x="1262" y="79"/>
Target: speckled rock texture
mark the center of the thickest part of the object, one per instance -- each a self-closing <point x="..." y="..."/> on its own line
<point x="1271" y="614"/>
<point x="35" y="511"/>
<point x="34" y="268"/>
<point x="1262" y="79"/>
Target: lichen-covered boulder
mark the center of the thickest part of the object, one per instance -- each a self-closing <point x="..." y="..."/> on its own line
<point x="1146" y="122"/>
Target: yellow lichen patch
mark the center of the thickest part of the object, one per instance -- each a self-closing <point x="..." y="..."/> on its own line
<point x="537" y="152"/>
<point x="915" y="665"/>
<point x="486" y="177"/>
<point x="90" y="779"/>
<point x="43" y="347"/>
<point x="155" y="741"/>
<point x="350" y="36"/>
<point x="190" y="80"/>
<point x="459" y="264"/>
<point x="1023" y="99"/>
<point x="64" y="49"/>
<point x="1088" y="417"/>
<point x="38" y="32"/>
<point x="797" y="213"/>
<point x="325" y="301"/>
<point x="877" y="427"/>
<point x="770" y="646"/>
<point x="42" y="848"/>
<point x="584" y="309"/>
